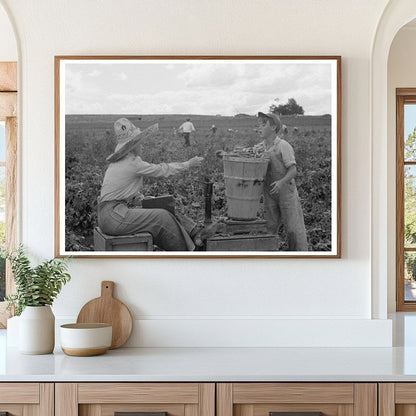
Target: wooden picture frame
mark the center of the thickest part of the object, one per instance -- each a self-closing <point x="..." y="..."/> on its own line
<point x="222" y="97"/>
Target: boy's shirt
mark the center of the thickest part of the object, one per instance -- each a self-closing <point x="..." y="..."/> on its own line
<point x="281" y="156"/>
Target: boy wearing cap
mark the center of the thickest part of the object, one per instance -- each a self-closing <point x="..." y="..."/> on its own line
<point x="281" y="199"/>
<point x="123" y="183"/>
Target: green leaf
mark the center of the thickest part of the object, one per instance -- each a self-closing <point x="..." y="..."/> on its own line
<point x="35" y="286"/>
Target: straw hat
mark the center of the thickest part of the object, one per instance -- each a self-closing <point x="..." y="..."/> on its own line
<point x="127" y="138"/>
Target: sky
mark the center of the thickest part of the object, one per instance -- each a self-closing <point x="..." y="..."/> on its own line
<point x="409" y="119"/>
<point x="195" y="87"/>
<point x="2" y="141"/>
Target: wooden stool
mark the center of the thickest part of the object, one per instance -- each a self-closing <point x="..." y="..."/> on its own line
<point x="133" y="242"/>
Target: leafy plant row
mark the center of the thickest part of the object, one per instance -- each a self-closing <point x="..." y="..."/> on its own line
<point x="86" y="151"/>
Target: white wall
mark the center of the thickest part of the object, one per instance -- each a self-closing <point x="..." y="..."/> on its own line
<point x="8" y="46"/>
<point x="206" y="301"/>
<point x="401" y="74"/>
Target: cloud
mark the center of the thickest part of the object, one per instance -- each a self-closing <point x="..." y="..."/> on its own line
<point x="257" y="85"/>
<point x="73" y="81"/>
<point x="208" y="76"/>
<point x="190" y="101"/>
<point x="81" y="96"/>
<point x="202" y="88"/>
<point x="94" y="73"/>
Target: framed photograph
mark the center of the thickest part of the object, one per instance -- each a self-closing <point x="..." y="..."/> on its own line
<point x="198" y="156"/>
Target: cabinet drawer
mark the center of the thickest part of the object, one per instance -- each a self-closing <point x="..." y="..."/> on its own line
<point x="21" y="399"/>
<point x="150" y="399"/>
<point x="19" y="393"/>
<point x="138" y="393"/>
<point x="309" y="399"/>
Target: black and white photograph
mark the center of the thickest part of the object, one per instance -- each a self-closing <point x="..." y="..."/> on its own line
<point x="197" y="156"/>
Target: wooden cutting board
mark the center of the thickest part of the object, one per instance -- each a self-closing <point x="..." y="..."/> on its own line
<point x="108" y="310"/>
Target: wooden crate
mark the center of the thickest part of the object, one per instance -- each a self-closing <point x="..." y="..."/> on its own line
<point x="245" y="227"/>
<point x="134" y="242"/>
<point x="266" y="242"/>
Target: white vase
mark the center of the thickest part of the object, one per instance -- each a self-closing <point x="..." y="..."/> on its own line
<point x="37" y="330"/>
<point x="12" y="334"/>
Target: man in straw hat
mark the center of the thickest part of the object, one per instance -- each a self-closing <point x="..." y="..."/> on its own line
<point x="281" y="199"/>
<point x="123" y="182"/>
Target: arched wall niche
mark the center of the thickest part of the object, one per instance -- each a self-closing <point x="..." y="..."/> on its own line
<point x="396" y="14"/>
<point x="9" y="46"/>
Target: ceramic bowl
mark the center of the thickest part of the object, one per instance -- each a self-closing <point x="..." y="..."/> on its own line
<point x="83" y="340"/>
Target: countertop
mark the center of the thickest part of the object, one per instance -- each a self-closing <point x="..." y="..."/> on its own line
<point x="397" y="363"/>
<point x="215" y="364"/>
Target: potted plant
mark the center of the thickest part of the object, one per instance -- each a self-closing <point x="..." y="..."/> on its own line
<point x="36" y="289"/>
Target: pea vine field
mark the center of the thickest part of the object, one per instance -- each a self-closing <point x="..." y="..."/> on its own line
<point x="89" y="139"/>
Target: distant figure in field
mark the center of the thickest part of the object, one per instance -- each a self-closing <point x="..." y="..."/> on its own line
<point x="281" y="199"/>
<point x="213" y="130"/>
<point x="186" y="129"/>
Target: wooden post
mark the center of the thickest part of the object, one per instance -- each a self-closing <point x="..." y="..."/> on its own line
<point x="11" y="199"/>
<point x="208" y="198"/>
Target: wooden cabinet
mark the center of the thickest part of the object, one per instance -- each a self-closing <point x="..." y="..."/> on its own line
<point x="397" y="399"/>
<point x="331" y="399"/>
<point x="208" y="399"/>
<point x="27" y="399"/>
<point x="105" y="399"/>
<point x="222" y="399"/>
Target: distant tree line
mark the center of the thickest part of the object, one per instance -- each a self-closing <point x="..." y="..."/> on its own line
<point x="290" y="108"/>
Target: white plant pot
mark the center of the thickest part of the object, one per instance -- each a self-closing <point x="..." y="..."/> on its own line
<point x="12" y="334"/>
<point x="37" y="330"/>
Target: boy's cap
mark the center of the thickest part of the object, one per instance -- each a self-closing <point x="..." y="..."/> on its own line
<point x="272" y="116"/>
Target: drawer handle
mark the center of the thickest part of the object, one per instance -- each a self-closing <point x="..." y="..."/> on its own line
<point x="139" y="414"/>
<point x="295" y="414"/>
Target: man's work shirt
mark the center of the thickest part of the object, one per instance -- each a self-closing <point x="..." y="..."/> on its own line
<point x="123" y="180"/>
<point x="187" y="127"/>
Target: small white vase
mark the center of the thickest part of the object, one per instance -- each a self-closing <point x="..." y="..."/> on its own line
<point x="37" y="330"/>
<point x="12" y="334"/>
